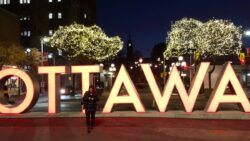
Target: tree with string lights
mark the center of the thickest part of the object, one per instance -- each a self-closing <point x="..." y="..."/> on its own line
<point x="213" y="38"/>
<point x="182" y="37"/>
<point x="91" y="42"/>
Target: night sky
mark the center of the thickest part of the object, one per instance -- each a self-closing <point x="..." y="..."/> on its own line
<point x="148" y="21"/>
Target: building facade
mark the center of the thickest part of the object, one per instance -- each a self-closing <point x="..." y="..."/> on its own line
<point x="9" y="27"/>
<point x="39" y="18"/>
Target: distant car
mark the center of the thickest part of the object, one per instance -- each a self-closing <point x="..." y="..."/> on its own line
<point x="66" y="90"/>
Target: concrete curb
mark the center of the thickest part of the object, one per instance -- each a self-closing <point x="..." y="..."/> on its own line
<point x="236" y="115"/>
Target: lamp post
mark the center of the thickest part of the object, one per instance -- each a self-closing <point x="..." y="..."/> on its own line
<point x="43" y="40"/>
<point x="27" y="52"/>
<point x="180" y="63"/>
<point x="112" y="69"/>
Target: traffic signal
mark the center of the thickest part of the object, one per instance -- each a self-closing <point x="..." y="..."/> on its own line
<point x="242" y="62"/>
<point x="242" y="59"/>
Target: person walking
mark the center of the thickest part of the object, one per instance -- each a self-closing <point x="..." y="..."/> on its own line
<point x="89" y="102"/>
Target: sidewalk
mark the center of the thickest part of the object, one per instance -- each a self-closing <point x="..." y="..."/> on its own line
<point x="148" y="114"/>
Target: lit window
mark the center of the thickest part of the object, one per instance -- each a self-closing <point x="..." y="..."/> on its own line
<point x="4" y="2"/>
<point x="28" y="33"/>
<point x="59" y="15"/>
<point x="50" y="1"/>
<point x="50" y="15"/>
<point x="25" y="33"/>
<point x="24" y="1"/>
<point x="85" y="15"/>
<point x="50" y="32"/>
<point x="25" y="18"/>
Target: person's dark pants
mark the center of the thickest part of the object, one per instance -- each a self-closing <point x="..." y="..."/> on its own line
<point x="90" y="115"/>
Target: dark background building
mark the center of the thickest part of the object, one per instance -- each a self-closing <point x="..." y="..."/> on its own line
<point x="9" y="27"/>
<point x="39" y="18"/>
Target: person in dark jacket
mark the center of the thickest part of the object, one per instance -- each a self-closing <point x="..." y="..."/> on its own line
<point x="89" y="102"/>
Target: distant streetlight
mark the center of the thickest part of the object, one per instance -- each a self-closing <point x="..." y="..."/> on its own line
<point x="180" y="58"/>
<point x="247" y="33"/>
<point x="51" y="56"/>
<point x="112" y="69"/>
<point x="140" y="60"/>
<point x="28" y="50"/>
<point x="180" y="63"/>
<point x="158" y="59"/>
<point x="101" y="65"/>
<point x="183" y="64"/>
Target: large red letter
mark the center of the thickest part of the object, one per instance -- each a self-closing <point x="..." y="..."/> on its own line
<point x="132" y="97"/>
<point x="217" y="96"/>
<point x="53" y="91"/>
<point x="85" y="71"/>
<point x="31" y="95"/>
<point x="174" y="80"/>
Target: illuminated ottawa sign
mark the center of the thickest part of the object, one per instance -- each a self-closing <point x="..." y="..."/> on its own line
<point x="188" y="98"/>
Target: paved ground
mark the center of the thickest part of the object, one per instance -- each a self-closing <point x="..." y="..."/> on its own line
<point x="126" y="124"/>
<point x="72" y="103"/>
<point x="124" y="129"/>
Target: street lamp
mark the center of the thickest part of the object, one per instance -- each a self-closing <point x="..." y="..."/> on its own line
<point x="140" y="60"/>
<point x="180" y="58"/>
<point x="52" y="56"/>
<point x="112" y="69"/>
<point x="28" y="50"/>
<point x="101" y="65"/>
<point x="43" y="41"/>
<point x="247" y="33"/>
<point x="180" y="64"/>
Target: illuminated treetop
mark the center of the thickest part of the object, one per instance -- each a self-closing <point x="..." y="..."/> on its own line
<point x="213" y="38"/>
<point x="91" y="42"/>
